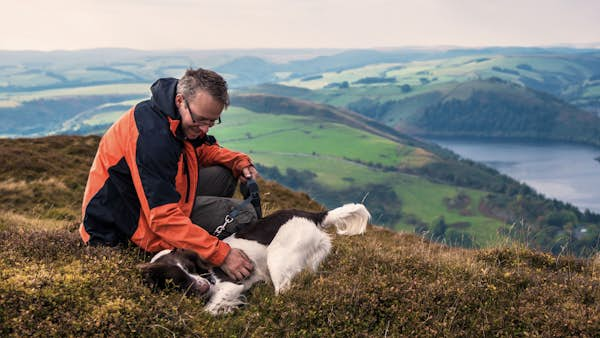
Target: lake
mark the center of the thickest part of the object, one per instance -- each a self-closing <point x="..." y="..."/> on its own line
<point x="565" y="171"/>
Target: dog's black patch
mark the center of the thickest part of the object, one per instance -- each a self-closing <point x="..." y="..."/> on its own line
<point x="165" y="269"/>
<point x="264" y="230"/>
<point x="158" y="275"/>
<point x="192" y="262"/>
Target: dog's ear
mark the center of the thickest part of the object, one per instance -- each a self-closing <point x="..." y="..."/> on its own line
<point x="164" y="275"/>
<point x="154" y="274"/>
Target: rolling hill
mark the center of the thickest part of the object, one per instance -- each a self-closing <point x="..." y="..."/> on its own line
<point x="379" y="284"/>
<point x="572" y="77"/>
<point x="484" y="108"/>
<point x="393" y="82"/>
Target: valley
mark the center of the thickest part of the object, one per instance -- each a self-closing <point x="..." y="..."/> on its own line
<point x="342" y="126"/>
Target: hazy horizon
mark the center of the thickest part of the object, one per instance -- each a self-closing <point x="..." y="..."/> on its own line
<point x="591" y="45"/>
<point x="147" y="25"/>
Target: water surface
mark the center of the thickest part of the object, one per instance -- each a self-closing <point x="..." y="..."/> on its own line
<point x="567" y="172"/>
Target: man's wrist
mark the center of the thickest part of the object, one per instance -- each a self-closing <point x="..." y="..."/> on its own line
<point x="223" y="250"/>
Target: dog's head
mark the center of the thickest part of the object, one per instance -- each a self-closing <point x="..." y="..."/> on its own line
<point x="181" y="268"/>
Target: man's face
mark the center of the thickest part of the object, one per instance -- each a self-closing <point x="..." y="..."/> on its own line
<point x="198" y="113"/>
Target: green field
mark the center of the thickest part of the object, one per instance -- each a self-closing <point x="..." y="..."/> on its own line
<point x="426" y="200"/>
<point x="349" y="75"/>
<point x="306" y="136"/>
<point x="456" y="69"/>
<point x="330" y="150"/>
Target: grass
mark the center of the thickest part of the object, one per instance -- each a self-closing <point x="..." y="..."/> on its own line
<point x="331" y="172"/>
<point x="379" y="284"/>
<point x="291" y="134"/>
<point x="425" y="200"/>
<point x="419" y="197"/>
<point x="109" y="113"/>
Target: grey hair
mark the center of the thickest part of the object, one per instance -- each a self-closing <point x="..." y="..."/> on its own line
<point x="195" y="80"/>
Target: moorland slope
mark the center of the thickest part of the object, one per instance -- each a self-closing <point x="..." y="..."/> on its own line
<point x="378" y="284"/>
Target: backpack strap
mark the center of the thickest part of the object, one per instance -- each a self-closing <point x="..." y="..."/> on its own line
<point x="227" y="228"/>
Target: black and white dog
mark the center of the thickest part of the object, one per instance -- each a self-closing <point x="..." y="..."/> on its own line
<point x="280" y="246"/>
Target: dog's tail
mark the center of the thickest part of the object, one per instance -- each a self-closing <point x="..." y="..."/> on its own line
<point x="349" y="219"/>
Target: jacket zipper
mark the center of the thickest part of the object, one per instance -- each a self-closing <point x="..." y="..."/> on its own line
<point x="187" y="176"/>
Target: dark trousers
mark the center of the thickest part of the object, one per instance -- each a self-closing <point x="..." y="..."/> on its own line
<point x="216" y="186"/>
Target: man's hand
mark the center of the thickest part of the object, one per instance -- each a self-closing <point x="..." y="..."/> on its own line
<point x="248" y="172"/>
<point x="237" y="265"/>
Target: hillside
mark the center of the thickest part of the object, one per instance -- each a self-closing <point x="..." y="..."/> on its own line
<point x="495" y="108"/>
<point x="483" y="108"/>
<point x="379" y="284"/>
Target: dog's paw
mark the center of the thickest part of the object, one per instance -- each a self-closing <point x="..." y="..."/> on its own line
<point x="282" y="286"/>
<point x="219" y="309"/>
<point x="218" y="304"/>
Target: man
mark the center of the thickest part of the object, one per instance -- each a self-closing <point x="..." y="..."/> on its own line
<point x="153" y="162"/>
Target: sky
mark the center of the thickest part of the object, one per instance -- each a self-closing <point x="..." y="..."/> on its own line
<point x="244" y="24"/>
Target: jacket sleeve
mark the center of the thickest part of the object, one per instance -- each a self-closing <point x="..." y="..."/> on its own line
<point x="176" y="229"/>
<point x="154" y="162"/>
<point x="213" y="154"/>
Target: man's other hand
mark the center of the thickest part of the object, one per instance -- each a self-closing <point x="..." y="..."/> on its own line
<point x="248" y="172"/>
<point x="237" y="265"/>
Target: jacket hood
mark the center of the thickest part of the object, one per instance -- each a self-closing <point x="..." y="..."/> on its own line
<point x="163" y="97"/>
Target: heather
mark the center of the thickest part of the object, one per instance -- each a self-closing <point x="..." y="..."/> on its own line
<point x="382" y="283"/>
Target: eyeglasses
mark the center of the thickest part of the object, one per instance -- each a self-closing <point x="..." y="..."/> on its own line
<point x="201" y="121"/>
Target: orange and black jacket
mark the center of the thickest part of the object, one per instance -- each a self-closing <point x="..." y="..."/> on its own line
<point x="142" y="184"/>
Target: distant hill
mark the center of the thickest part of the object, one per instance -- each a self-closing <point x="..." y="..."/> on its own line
<point x="486" y="108"/>
<point x="397" y="80"/>
<point x="278" y="105"/>
<point x="378" y="284"/>
<point x="495" y="108"/>
<point x="571" y="75"/>
<point x="552" y="97"/>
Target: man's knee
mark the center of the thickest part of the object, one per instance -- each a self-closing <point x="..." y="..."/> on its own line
<point x="216" y="181"/>
<point x="209" y="212"/>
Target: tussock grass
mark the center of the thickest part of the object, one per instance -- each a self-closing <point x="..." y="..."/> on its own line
<point x="9" y="219"/>
<point x="378" y="284"/>
<point x="371" y="285"/>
